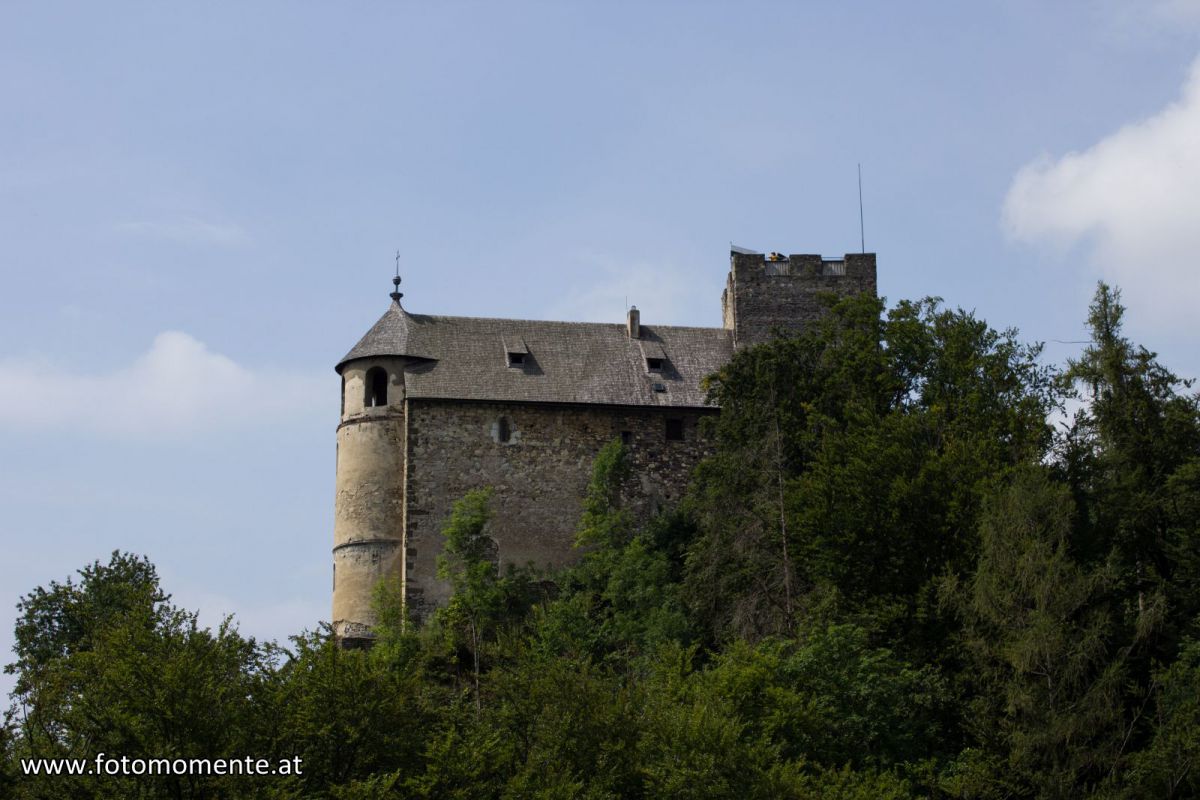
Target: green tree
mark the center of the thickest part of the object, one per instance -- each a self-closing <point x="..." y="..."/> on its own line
<point x="1169" y="765"/>
<point x="8" y="758"/>
<point x="151" y="683"/>
<point x="1051" y="663"/>
<point x="483" y="604"/>
<point x="694" y="744"/>
<point x="831" y="699"/>
<point x="851" y="462"/>
<point x="349" y="714"/>
<point x="572" y="728"/>
<point x="1133" y="461"/>
<point x="605" y="521"/>
<point x="63" y="619"/>
<point x="623" y="597"/>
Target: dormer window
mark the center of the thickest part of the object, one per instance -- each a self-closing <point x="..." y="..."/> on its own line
<point x="654" y="356"/>
<point x="516" y="352"/>
<point x="377" y="386"/>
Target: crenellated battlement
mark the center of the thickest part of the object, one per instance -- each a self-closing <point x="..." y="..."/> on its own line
<point x="769" y="292"/>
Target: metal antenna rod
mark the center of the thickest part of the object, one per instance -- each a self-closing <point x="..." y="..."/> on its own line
<point x="862" y="236"/>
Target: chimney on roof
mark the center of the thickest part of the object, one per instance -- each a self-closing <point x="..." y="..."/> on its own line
<point x="634" y="323"/>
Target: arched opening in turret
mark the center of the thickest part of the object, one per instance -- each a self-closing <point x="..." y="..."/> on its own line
<point x="377" y="386"/>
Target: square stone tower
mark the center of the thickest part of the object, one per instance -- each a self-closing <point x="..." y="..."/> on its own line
<point x="765" y="294"/>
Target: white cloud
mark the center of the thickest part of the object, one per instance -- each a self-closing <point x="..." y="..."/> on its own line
<point x="177" y="388"/>
<point x="1134" y="199"/>
<point x="665" y="294"/>
<point x="186" y="230"/>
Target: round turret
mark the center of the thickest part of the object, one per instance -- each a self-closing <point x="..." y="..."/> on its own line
<point x="368" y="528"/>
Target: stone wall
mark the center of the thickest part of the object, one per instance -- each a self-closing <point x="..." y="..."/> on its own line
<point x="368" y="524"/>
<point x="762" y="296"/>
<point x="538" y="475"/>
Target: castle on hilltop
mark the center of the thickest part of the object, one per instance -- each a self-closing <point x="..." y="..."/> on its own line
<point x="434" y="406"/>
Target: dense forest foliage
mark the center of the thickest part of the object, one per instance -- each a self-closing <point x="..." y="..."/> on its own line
<point x="905" y="571"/>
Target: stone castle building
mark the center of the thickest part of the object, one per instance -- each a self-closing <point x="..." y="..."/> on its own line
<point x="434" y="406"/>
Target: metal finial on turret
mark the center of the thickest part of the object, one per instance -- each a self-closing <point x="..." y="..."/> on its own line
<point x="396" y="293"/>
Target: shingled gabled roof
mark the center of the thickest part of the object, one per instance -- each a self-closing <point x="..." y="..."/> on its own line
<point x="566" y="362"/>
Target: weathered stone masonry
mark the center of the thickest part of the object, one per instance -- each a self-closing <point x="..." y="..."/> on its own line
<point x="762" y="295"/>
<point x="433" y="407"/>
<point x="538" y="476"/>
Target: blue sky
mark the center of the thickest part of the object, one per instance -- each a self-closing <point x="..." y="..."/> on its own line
<point x="199" y="206"/>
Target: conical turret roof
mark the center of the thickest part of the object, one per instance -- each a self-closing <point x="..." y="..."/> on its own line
<point x="395" y="334"/>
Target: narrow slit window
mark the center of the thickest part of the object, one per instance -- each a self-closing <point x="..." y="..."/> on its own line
<point x="377" y="381"/>
<point x="503" y="430"/>
<point x="674" y="430"/>
<point x="626" y="437"/>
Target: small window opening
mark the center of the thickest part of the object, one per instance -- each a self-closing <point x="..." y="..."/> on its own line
<point x="377" y="381"/>
<point x="654" y="364"/>
<point x="674" y="430"/>
<point x="516" y="352"/>
<point x="335" y="577"/>
<point x="626" y="437"/>
<point x="659" y="387"/>
<point x="342" y="412"/>
<point x="503" y="430"/>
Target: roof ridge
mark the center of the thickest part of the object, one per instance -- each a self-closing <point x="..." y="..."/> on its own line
<point x="451" y="318"/>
